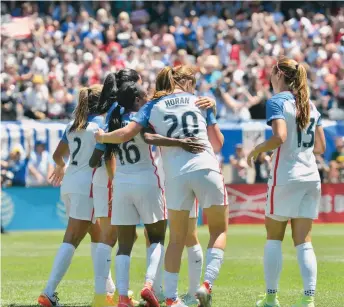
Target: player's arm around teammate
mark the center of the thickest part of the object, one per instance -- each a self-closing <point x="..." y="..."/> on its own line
<point x="294" y="185"/>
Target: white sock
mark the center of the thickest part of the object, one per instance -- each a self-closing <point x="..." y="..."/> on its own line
<point x="110" y="285"/>
<point x="61" y="264"/>
<point x="94" y="247"/>
<point x="148" y="255"/>
<point x="102" y="268"/>
<point x="308" y="267"/>
<point x="122" y="274"/>
<point x="214" y="261"/>
<point x="272" y="265"/>
<point x="195" y="259"/>
<point x="157" y="286"/>
<point x="154" y="262"/>
<point x="171" y="285"/>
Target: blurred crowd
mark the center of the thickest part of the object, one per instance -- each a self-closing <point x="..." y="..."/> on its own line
<point x="232" y="45"/>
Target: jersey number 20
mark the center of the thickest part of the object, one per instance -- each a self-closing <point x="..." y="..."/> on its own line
<point x="309" y="132"/>
<point x="185" y="125"/>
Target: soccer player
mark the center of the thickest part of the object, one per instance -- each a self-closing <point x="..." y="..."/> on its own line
<point x="102" y="186"/>
<point x="78" y="140"/>
<point x="139" y="194"/>
<point x="173" y="113"/>
<point x="294" y="187"/>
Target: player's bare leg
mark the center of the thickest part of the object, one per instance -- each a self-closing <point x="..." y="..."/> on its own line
<point x="75" y="232"/>
<point x="217" y="217"/>
<point x="272" y="261"/>
<point x="301" y="232"/>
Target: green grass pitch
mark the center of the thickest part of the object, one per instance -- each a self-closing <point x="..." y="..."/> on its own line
<point x="27" y="259"/>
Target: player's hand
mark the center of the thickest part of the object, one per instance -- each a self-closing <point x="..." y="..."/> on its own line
<point x="252" y="157"/>
<point x="205" y="103"/>
<point x="57" y="176"/>
<point x="192" y="145"/>
<point x="99" y="136"/>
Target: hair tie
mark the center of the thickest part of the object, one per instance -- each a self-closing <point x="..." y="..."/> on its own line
<point x="121" y="110"/>
<point x="297" y="66"/>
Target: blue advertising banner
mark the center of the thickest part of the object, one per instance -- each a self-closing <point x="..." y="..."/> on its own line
<point x="35" y="209"/>
<point x="32" y="209"/>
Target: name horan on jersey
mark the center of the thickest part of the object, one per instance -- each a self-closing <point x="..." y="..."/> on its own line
<point x="177" y="101"/>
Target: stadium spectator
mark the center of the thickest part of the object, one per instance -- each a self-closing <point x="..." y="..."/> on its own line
<point x="17" y="165"/>
<point x="36" y="99"/>
<point x="339" y="149"/>
<point x="10" y="104"/>
<point x="239" y="165"/>
<point x="40" y="165"/>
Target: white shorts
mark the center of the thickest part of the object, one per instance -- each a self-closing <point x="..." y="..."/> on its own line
<point x="205" y="185"/>
<point x="293" y="200"/>
<point x="194" y="211"/>
<point x="102" y="200"/>
<point x="79" y="207"/>
<point x="138" y="202"/>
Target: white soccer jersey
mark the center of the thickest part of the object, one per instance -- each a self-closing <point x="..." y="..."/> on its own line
<point x="135" y="161"/>
<point x="294" y="160"/>
<point x="78" y="176"/>
<point x="177" y="116"/>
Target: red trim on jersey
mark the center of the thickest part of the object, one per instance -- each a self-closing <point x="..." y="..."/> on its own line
<point x="157" y="176"/>
<point x="109" y="186"/>
<point x="91" y="190"/>
<point x="274" y="182"/>
<point x="196" y="208"/>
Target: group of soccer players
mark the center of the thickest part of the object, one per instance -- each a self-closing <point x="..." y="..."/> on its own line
<point x="113" y="182"/>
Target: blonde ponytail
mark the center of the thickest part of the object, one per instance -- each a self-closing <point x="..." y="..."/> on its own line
<point x="301" y="92"/>
<point x="295" y="76"/>
<point x="81" y="111"/>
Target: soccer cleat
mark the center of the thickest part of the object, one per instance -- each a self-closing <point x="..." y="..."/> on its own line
<point x="175" y="303"/>
<point x="147" y="294"/>
<point x="306" y="301"/>
<point x="46" y="301"/>
<point x="189" y="299"/>
<point x="124" y="301"/>
<point x="103" y="300"/>
<point x="265" y="298"/>
<point x="203" y="294"/>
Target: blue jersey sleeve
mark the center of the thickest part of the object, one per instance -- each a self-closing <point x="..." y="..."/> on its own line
<point x="99" y="120"/>
<point x="64" y="137"/>
<point x="274" y="110"/>
<point x="211" y="118"/>
<point x="143" y="115"/>
<point x="100" y="146"/>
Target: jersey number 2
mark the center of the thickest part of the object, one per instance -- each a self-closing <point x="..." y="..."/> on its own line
<point x="309" y="132"/>
<point x="185" y="127"/>
<point x="75" y="152"/>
